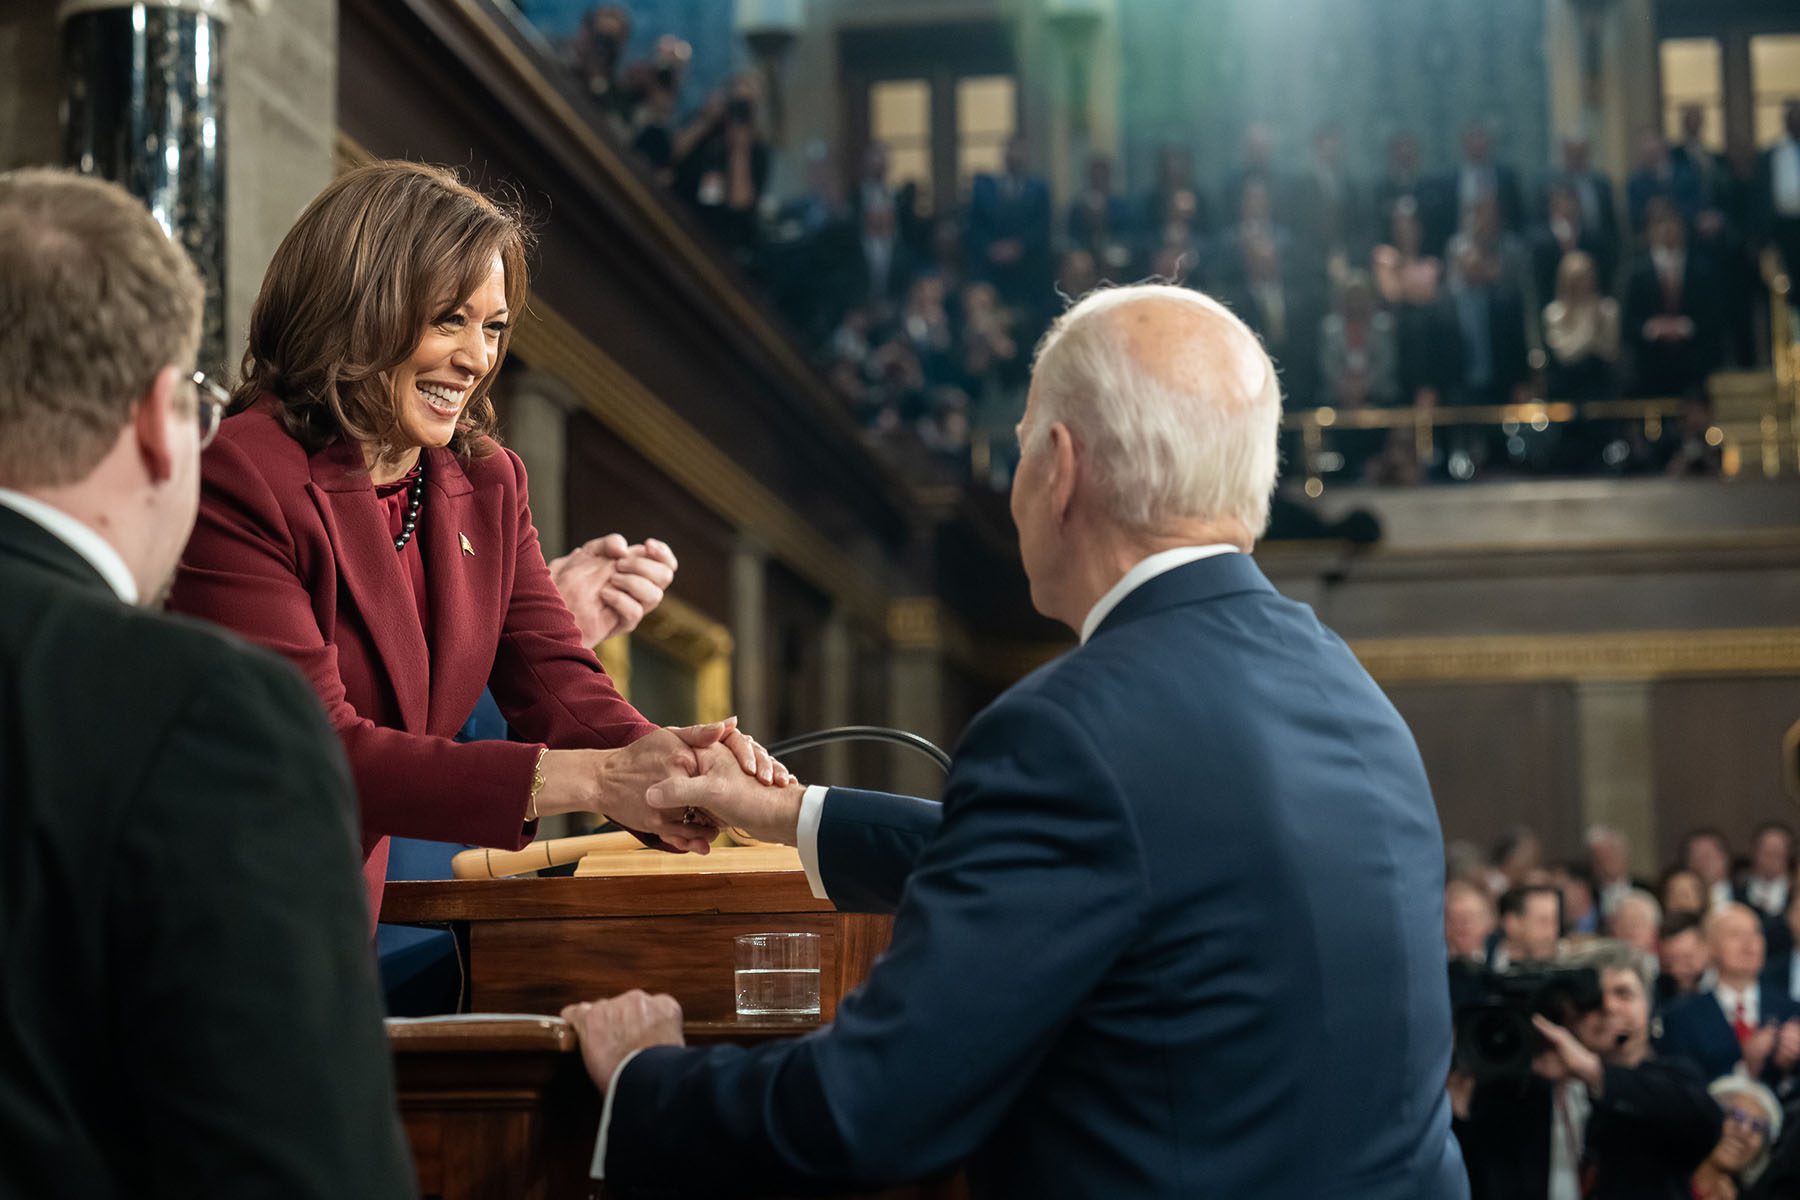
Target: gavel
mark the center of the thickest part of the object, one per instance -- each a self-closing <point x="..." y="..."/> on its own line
<point x="483" y="863"/>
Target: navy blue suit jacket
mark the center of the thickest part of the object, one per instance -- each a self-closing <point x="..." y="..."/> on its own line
<point x="1698" y="1030"/>
<point x="1175" y="931"/>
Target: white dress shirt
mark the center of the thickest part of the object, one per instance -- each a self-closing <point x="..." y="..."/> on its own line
<point x="1568" y="1138"/>
<point x="95" y="550"/>
<point x="1729" y="998"/>
<point x="812" y="803"/>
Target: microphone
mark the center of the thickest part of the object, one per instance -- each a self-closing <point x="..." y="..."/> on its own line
<point x="863" y="733"/>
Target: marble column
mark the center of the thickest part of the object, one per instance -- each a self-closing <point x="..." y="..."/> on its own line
<point x="837" y="665"/>
<point x="143" y="105"/>
<point x="1615" y="766"/>
<point x="750" y="633"/>
<point x="916" y="683"/>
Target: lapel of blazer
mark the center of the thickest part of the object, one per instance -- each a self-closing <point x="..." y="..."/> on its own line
<point x="371" y="573"/>
<point x="464" y="583"/>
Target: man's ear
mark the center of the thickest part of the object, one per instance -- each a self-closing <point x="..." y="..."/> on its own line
<point x="157" y="423"/>
<point x="1064" y="470"/>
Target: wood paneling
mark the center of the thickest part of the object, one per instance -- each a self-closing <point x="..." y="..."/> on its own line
<point x="1499" y="755"/>
<point x="796" y="615"/>
<point x="1717" y="749"/>
<point x="538" y="944"/>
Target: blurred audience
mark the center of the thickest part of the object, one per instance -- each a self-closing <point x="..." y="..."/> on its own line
<point x="1468" y="286"/>
<point x="1753" y="1121"/>
<point x="1468" y="920"/>
<point x="1581" y="334"/>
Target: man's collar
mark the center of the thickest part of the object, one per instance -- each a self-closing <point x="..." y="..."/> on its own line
<point x="95" y="550"/>
<point x="1146" y="570"/>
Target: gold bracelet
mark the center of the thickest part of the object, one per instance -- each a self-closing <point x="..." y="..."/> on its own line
<point x="537" y="785"/>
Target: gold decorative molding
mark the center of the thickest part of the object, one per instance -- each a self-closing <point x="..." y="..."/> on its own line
<point x="1649" y="654"/>
<point x="682" y="632"/>
<point x="1535" y="658"/>
<point x="915" y="623"/>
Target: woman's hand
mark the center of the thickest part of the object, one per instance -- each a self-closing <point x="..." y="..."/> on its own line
<point x="610" y="585"/>
<point x="756" y="762"/>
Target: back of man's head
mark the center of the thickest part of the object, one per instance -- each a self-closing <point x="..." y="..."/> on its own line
<point x="1174" y="401"/>
<point x="95" y="301"/>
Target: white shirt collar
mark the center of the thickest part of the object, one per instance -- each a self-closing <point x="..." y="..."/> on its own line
<point x="94" y="549"/>
<point x="1144" y="572"/>
<point x="1729" y="998"/>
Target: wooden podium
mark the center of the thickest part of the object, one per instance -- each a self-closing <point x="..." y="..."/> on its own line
<point x="499" y="1107"/>
<point x="638" y="919"/>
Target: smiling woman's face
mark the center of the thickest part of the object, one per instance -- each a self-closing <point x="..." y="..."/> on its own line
<point x="456" y="351"/>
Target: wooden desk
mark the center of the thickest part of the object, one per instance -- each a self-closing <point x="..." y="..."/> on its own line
<point x="501" y="1108"/>
<point x="534" y="945"/>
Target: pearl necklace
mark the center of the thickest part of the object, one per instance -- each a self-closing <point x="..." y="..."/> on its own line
<point x="415" y="499"/>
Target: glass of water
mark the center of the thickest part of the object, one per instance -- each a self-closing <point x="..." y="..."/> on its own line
<point x="778" y="975"/>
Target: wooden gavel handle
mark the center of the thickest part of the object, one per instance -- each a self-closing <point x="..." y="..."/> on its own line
<point x="482" y="863"/>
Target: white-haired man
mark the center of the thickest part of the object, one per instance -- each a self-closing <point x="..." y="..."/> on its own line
<point x="1175" y="929"/>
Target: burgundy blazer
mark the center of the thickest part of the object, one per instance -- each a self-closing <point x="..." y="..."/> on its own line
<point x="293" y="552"/>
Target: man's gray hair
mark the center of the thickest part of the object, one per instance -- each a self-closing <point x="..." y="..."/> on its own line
<point x="1163" y="450"/>
<point x="1639" y="898"/>
<point x="1607" y="954"/>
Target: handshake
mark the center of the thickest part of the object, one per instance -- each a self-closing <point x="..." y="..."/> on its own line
<point x="680" y="784"/>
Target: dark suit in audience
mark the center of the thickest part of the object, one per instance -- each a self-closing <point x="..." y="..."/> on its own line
<point x="1651" y="1126"/>
<point x="1478" y="178"/>
<point x="1775" y="195"/>
<point x="1699" y="1030"/>
<point x="874" y="267"/>
<point x="1009" y="230"/>
<point x="1671" y="322"/>
<point x="1285" y="313"/>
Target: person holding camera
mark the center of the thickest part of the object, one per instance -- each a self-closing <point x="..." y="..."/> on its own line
<point x="1742" y="1019"/>
<point x="722" y="163"/>
<point x="1596" y="1116"/>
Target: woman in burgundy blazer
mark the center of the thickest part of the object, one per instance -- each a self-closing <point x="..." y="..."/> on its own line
<point x="357" y="517"/>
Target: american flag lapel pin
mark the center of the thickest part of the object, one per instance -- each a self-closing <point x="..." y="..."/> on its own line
<point x="467" y="548"/>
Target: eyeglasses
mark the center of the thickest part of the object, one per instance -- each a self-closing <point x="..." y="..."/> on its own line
<point x="213" y="400"/>
<point x="1748" y="1120"/>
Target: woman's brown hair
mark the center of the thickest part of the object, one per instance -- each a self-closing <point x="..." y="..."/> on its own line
<point x="377" y="256"/>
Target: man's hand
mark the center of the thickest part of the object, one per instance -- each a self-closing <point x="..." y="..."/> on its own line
<point x="628" y="773"/>
<point x="612" y="1029"/>
<point x="722" y="794"/>
<point x="610" y="585"/>
<point x="756" y="762"/>
<point x="1566" y="1057"/>
<point x="1757" y="1049"/>
<point x="1787" y="1044"/>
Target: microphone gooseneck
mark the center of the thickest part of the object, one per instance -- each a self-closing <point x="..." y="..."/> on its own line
<point x="863" y="733"/>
